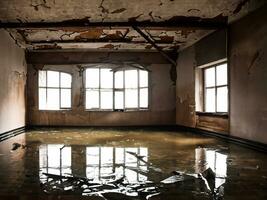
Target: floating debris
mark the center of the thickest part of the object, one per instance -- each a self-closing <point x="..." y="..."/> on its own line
<point x="251" y="167"/>
<point x="16" y="146"/>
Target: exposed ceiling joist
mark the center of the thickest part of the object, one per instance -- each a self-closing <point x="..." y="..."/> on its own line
<point x="147" y="38"/>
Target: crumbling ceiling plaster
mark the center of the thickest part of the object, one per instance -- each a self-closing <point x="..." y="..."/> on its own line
<point x="66" y="12"/>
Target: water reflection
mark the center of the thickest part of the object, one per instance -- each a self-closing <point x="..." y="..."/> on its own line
<point x="216" y="161"/>
<point x="102" y="162"/>
<point x="54" y="159"/>
<point x="90" y="170"/>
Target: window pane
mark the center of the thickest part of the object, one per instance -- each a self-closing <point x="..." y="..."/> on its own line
<point x="131" y="98"/>
<point x="210" y="100"/>
<point x="92" y="99"/>
<point x="106" y="99"/>
<point x="222" y="99"/>
<point x="119" y="79"/>
<point x="92" y="78"/>
<point x="118" y="100"/>
<point x="42" y="98"/>
<point x="221" y="74"/>
<point x="65" y="80"/>
<point x="52" y="79"/>
<point x="143" y="76"/>
<point x="106" y="78"/>
<point x="53" y="99"/>
<point x="42" y="78"/>
<point x="131" y="79"/>
<point x="143" y="98"/>
<point x="65" y="98"/>
<point x="210" y="77"/>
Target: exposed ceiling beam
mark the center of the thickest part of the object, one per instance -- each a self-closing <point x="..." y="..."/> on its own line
<point x="88" y="41"/>
<point x="176" y="22"/>
<point x="154" y="45"/>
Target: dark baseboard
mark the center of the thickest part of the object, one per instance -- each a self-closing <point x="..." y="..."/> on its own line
<point x="240" y="141"/>
<point x="12" y="133"/>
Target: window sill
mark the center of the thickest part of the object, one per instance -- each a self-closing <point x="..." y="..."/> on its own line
<point x="60" y="110"/>
<point x="222" y="114"/>
<point x="128" y="110"/>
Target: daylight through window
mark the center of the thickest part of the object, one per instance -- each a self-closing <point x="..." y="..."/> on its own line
<point x="120" y="90"/>
<point x="54" y="90"/>
<point x="216" y="89"/>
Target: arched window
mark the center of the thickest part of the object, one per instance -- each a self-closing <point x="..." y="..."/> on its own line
<point x="54" y="90"/>
<point x="116" y="90"/>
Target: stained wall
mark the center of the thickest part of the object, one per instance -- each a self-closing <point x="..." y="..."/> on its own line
<point x="247" y="66"/>
<point x="12" y="84"/>
<point x="162" y="91"/>
<point x="248" y="69"/>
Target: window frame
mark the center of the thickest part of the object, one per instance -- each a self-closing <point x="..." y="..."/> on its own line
<point x="138" y="108"/>
<point x="215" y="87"/>
<point x="59" y="88"/>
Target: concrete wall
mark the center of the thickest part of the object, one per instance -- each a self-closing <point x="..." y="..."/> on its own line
<point x="248" y="64"/>
<point x="162" y="92"/>
<point x="12" y="84"/>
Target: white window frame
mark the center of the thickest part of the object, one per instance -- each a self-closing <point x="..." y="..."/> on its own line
<point x="138" y="108"/>
<point x="59" y="88"/>
<point x="215" y="87"/>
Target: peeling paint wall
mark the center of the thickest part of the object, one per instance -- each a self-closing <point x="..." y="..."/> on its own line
<point x="187" y="62"/>
<point x="248" y="64"/>
<point x="12" y="84"/>
<point x="162" y="93"/>
<point x="185" y="85"/>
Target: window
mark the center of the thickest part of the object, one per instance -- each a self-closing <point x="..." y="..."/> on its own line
<point x="120" y="90"/>
<point x="216" y="89"/>
<point x="54" y="90"/>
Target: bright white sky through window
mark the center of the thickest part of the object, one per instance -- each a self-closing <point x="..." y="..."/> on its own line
<point x="216" y="89"/>
<point x="54" y="90"/>
<point x="128" y="90"/>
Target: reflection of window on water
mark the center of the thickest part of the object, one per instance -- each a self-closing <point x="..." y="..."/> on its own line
<point x="206" y="158"/>
<point x="54" y="159"/>
<point x="101" y="162"/>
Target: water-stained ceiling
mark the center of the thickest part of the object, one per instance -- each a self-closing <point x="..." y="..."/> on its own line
<point x="107" y="24"/>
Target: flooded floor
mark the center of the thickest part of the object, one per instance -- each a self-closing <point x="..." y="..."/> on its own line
<point x="120" y="164"/>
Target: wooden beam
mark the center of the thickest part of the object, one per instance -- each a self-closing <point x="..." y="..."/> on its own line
<point x="177" y="22"/>
<point x="155" y="45"/>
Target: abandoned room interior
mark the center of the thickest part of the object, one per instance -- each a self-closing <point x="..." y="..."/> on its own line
<point x="133" y="100"/>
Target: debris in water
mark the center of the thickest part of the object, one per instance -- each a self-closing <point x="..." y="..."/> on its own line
<point x="251" y="167"/>
<point x="15" y="146"/>
<point x="208" y="174"/>
<point x="139" y="157"/>
<point x="173" y="179"/>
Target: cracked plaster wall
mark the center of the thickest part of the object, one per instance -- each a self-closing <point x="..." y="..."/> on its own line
<point x="209" y="49"/>
<point x="247" y="64"/>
